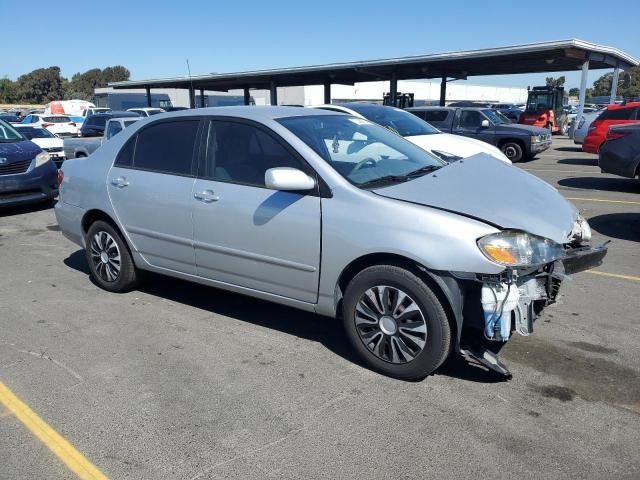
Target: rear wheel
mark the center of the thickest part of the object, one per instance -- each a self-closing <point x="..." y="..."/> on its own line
<point x="512" y="150"/>
<point x="395" y="322"/>
<point x="109" y="260"/>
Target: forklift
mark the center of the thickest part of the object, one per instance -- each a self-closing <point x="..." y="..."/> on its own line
<point x="545" y="108"/>
<point x="403" y="100"/>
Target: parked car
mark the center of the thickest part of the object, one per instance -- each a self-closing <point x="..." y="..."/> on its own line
<point x="515" y="141"/>
<point x="47" y="141"/>
<point x="78" y="120"/>
<point x="11" y="118"/>
<point x="265" y="201"/>
<point x="613" y="115"/>
<point x="580" y="132"/>
<point x="27" y="174"/>
<point x="620" y="153"/>
<point x="174" y="109"/>
<point x="95" y="110"/>
<point x="83" y="147"/>
<point x="512" y="112"/>
<point x="446" y="146"/>
<point x="94" y="125"/>
<point x="61" y="125"/>
<point x="147" y="111"/>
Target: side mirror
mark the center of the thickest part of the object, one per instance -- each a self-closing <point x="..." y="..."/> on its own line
<point x="286" y="178"/>
<point x="484" y="124"/>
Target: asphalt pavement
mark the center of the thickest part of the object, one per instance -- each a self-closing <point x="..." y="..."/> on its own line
<point x="180" y="381"/>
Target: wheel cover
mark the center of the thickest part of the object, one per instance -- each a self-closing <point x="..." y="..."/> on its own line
<point x="390" y="324"/>
<point x="510" y="152"/>
<point x="105" y="256"/>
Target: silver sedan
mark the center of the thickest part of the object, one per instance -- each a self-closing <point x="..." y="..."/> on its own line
<point x="333" y="214"/>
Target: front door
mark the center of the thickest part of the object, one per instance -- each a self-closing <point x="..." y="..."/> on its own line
<point x="469" y="124"/>
<point x="244" y="233"/>
<point x="151" y="189"/>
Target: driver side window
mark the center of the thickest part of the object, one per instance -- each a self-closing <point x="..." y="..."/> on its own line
<point x="470" y="119"/>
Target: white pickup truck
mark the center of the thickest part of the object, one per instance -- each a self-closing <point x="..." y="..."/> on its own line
<point x="83" y="147"/>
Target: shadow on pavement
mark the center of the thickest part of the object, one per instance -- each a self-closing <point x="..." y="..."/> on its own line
<point x="624" y="226"/>
<point x="625" y="185"/>
<point x="317" y="328"/>
<point x="579" y="161"/>
<point x="577" y="148"/>
<point x="22" y="209"/>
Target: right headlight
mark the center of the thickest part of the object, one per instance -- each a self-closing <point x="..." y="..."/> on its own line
<point x="42" y="158"/>
<point x="515" y="248"/>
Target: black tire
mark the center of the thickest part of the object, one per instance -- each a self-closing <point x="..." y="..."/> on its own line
<point x="438" y="331"/>
<point x="127" y="276"/>
<point x="512" y="150"/>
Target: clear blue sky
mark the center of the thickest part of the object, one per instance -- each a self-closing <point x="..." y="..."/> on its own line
<point x="152" y="38"/>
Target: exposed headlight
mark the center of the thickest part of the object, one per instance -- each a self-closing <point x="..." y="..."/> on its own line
<point x="42" y="158"/>
<point x="515" y="248"/>
<point x="581" y="230"/>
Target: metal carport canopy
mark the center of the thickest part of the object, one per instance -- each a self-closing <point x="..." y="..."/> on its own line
<point x="555" y="56"/>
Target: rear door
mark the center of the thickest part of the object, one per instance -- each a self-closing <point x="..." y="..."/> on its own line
<point x="244" y="233"/>
<point x="151" y="185"/>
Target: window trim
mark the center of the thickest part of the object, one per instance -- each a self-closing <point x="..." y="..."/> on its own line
<point x="134" y="138"/>
<point x="321" y="189"/>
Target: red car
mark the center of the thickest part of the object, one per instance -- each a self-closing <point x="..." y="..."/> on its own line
<point x="613" y="115"/>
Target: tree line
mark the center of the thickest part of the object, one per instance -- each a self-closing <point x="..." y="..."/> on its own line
<point x="602" y="86"/>
<point x="46" y="84"/>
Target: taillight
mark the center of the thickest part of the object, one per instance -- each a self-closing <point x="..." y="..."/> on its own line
<point x="542" y="118"/>
<point x="47" y="125"/>
<point x="60" y="177"/>
<point x="615" y="134"/>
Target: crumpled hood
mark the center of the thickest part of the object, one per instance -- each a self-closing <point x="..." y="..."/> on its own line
<point x="494" y="192"/>
<point x="18" y="151"/>
<point x="456" y="145"/>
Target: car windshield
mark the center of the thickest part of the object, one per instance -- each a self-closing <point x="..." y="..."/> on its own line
<point x="364" y="153"/>
<point x="153" y="112"/>
<point x="538" y="102"/>
<point x="129" y="122"/>
<point x="36" y="132"/>
<point x="496" y="117"/>
<point x="8" y="134"/>
<point x="403" y="123"/>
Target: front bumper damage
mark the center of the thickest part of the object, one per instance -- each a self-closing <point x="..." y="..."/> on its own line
<point x="496" y="306"/>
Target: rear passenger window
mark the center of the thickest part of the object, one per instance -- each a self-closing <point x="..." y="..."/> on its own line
<point x="618" y="114"/>
<point x="241" y="153"/>
<point x="125" y="156"/>
<point x="417" y="113"/>
<point x="167" y="147"/>
<point x="435" y="116"/>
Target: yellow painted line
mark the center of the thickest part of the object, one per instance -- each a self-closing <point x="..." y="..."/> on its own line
<point x="628" y="202"/>
<point x="615" y="275"/>
<point x="73" y="459"/>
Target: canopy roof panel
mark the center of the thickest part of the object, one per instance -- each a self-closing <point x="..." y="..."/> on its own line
<point x="555" y="56"/>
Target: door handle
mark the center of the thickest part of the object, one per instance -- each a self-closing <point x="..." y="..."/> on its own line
<point x="120" y="182"/>
<point x="206" y="196"/>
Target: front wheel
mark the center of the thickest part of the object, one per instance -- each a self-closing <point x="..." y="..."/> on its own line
<point x="512" y="150"/>
<point x="109" y="260"/>
<point x="395" y="322"/>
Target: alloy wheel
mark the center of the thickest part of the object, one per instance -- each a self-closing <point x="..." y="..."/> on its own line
<point x="390" y="324"/>
<point x="510" y="152"/>
<point x="105" y="256"/>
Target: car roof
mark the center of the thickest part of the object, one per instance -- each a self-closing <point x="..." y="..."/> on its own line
<point x="113" y="114"/>
<point x="625" y="105"/>
<point x="427" y="107"/>
<point x="250" y="112"/>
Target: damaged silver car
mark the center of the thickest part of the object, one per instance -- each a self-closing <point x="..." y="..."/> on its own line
<point x="332" y="214"/>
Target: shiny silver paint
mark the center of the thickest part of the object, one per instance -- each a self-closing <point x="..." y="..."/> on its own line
<point x="289" y="248"/>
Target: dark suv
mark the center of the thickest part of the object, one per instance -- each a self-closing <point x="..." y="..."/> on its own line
<point x="94" y="125"/>
<point x="27" y="174"/>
